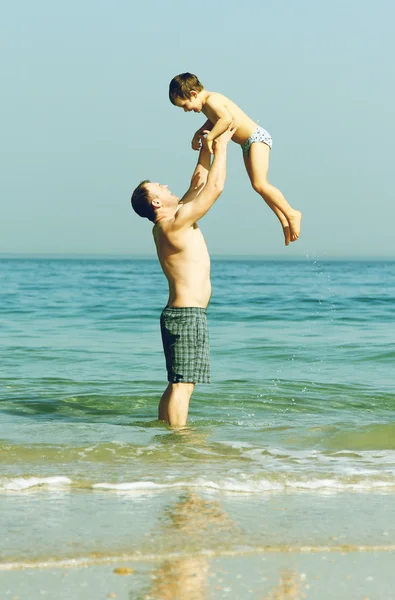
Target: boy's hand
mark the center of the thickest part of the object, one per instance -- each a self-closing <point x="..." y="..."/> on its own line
<point x="197" y="140"/>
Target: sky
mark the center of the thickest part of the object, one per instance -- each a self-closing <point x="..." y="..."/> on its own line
<point x="86" y="117"/>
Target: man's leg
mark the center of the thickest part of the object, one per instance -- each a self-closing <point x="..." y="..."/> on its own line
<point x="174" y="404"/>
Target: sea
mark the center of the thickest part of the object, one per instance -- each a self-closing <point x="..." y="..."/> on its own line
<point x="292" y="445"/>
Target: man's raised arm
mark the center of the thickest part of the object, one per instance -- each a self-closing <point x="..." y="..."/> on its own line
<point x="199" y="177"/>
<point x="205" y="197"/>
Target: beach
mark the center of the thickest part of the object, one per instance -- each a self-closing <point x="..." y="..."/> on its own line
<point x="281" y="486"/>
<point x="206" y="546"/>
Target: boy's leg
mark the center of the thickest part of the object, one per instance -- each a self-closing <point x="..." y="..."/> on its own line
<point x="277" y="212"/>
<point x="258" y="166"/>
<point x="174" y="404"/>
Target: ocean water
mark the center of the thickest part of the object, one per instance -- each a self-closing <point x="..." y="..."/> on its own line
<point x="301" y="406"/>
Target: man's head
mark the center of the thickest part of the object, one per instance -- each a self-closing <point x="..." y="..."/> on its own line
<point x="154" y="201"/>
<point x="185" y="91"/>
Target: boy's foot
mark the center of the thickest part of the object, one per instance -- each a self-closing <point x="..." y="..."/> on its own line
<point x="294" y="220"/>
<point x="287" y="234"/>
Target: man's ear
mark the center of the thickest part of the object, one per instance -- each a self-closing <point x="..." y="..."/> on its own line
<point x="193" y="94"/>
<point x="156" y="203"/>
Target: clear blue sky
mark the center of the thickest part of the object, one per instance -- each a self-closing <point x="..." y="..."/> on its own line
<point x="86" y="116"/>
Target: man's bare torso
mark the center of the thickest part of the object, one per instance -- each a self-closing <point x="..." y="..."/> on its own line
<point x="185" y="262"/>
<point x="245" y="126"/>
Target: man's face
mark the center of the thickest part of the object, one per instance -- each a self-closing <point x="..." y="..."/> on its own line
<point x="193" y="103"/>
<point x="161" y="192"/>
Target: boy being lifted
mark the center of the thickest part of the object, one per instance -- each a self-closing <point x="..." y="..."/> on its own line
<point x="188" y="93"/>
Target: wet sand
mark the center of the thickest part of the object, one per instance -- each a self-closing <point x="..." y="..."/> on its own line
<point x="315" y="574"/>
<point x="187" y="545"/>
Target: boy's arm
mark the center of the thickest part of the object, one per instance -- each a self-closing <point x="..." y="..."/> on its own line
<point x="208" y="125"/>
<point x="194" y="210"/>
<point x="224" y="119"/>
<point x="197" y="136"/>
<point x="199" y="176"/>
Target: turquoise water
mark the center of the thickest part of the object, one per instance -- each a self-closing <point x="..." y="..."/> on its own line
<point x="302" y="398"/>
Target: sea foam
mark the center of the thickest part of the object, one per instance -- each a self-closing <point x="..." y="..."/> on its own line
<point x="24" y="483"/>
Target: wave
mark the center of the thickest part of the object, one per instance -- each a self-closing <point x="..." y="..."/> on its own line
<point x="251" y="487"/>
<point x="232" y="485"/>
<point x="18" y="484"/>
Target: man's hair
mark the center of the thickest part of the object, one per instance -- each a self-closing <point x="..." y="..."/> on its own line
<point x="141" y="201"/>
<point x="182" y="85"/>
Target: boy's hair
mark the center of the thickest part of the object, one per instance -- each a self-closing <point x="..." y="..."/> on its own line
<point x="182" y="85"/>
<point x="140" y="201"/>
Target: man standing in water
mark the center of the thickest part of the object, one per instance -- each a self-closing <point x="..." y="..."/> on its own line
<point x="185" y="261"/>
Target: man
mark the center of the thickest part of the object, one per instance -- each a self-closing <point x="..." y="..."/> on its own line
<point x="185" y="261"/>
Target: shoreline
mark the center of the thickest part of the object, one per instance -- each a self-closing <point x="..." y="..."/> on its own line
<point x="108" y="560"/>
<point x="280" y="576"/>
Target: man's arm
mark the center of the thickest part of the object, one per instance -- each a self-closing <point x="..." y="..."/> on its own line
<point x="199" y="177"/>
<point x="195" y="209"/>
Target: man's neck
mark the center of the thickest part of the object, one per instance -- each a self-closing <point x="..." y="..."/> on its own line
<point x="166" y="215"/>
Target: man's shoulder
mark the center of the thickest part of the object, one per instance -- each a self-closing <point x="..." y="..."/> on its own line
<point x="160" y="229"/>
<point x="166" y="229"/>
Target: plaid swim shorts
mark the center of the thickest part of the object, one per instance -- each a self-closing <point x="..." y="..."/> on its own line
<point x="186" y="344"/>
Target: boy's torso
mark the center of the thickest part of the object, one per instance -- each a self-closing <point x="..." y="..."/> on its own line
<point x="245" y="126"/>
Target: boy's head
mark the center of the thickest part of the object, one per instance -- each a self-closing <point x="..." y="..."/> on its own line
<point x="184" y="90"/>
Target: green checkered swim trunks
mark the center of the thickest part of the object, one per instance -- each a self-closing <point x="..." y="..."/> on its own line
<point x="186" y="344"/>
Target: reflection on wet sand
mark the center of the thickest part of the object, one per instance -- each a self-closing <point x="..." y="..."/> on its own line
<point x="182" y="579"/>
<point x="289" y="588"/>
<point x="190" y="520"/>
<point x="193" y="516"/>
<point x="190" y="526"/>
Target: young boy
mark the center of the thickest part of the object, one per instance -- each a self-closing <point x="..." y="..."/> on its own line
<point x="187" y="92"/>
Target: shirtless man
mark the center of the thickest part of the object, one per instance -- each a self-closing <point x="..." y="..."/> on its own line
<point x="185" y="261"/>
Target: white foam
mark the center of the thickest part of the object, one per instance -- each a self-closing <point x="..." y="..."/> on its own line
<point x="240" y="483"/>
<point x="236" y="444"/>
<point x="24" y="483"/>
<point x="251" y="487"/>
<point x="229" y="485"/>
<point x="135" y="485"/>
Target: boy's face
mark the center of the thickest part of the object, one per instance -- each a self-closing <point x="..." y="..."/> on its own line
<point x="192" y="103"/>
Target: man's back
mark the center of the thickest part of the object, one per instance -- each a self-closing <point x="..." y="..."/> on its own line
<point x="185" y="261"/>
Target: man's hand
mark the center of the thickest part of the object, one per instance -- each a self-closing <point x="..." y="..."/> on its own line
<point x="208" y="179"/>
<point x="207" y="143"/>
<point x="197" y="140"/>
<point x="224" y="139"/>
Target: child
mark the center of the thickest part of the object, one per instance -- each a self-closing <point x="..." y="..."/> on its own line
<point x="187" y="92"/>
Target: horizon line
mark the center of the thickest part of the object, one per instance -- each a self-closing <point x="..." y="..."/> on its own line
<point x="299" y="257"/>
